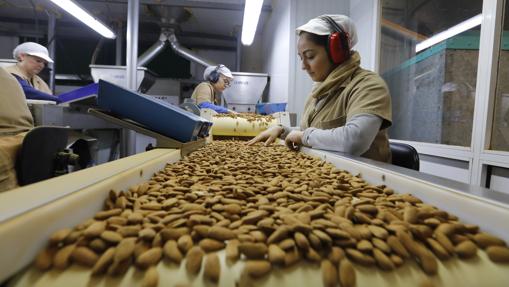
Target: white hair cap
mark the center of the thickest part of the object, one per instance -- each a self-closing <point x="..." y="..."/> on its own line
<point x="32" y="49"/>
<point x="320" y="26"/>
<point x="223" y="70"/>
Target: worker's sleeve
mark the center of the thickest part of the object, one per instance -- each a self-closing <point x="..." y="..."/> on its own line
<point x="287" y="130"/>
<point x="355" y="137"/>
<point x="203" y="93"/>
<point x="33" y="94"/>
<point x="209" y="105"/>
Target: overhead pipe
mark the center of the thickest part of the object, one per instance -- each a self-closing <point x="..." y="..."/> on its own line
<point x="153" y="51"/>
<point x="171" y="17"/>
<point x="186" y="53"/>
<point x="168" y="36"/>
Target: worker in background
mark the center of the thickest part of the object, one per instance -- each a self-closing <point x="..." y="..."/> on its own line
<point x="31" y="58"/>
<point x="15" y="122"/>
<point x="207" y="94"/>
<point x="349" y="108"/>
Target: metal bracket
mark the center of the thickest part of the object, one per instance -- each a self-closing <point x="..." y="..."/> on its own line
<point x="161" y="140"/>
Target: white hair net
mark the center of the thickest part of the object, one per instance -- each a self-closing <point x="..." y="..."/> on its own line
<point x="320" y="26"/>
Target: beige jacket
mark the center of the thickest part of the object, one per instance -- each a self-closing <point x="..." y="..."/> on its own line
<point x="204" y="92"/>
<point x="35" y="81"/>
<point x="15" y="122"/>
<point x="348" y="91"/>
<point x="15" y="117"/>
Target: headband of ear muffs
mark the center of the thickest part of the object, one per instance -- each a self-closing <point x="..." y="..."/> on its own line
<point x="338" y="47"/>
<point x="214" y="75"/>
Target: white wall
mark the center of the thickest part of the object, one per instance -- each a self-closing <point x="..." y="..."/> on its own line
<point x="364" y="14"/>
<point x="252" y="58"/>
<point x="226" y="58"/>
<point x="275" y="47"/>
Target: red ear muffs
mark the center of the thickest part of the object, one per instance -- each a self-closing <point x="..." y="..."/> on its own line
<point x="338" y="47"/>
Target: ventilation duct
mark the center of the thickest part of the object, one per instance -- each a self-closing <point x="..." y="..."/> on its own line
<point x="186" y="53"/>
<point x="170" y="19"/>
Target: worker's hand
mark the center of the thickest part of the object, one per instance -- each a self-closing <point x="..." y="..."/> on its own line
<point x="232" y="112"/>
<point x="269" y="135"/>
<point x="294" y="140"/>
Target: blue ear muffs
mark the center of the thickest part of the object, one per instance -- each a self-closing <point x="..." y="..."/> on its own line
<point x="214" y="75"/>
<point x="338" y="47"/>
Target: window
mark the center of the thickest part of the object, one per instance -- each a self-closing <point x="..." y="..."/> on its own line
<point x="431" y="73"/>
<point x="500" y="131"/>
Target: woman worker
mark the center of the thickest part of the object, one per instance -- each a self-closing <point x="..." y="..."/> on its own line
<point x="206" y="94"/>
<point x="349" y="108"/>
<point x="15" y="122"/>
<point x="31" y="58"/>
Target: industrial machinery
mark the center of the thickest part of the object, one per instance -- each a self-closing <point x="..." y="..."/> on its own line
<point x="153" y="114"/>
<point x="245" y="92"/>
<point x="117" y="75"/>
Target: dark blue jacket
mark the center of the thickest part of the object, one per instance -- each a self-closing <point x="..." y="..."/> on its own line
<point x="32" y="93"/>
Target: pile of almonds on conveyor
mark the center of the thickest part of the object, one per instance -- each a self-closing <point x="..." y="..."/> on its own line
<point x="269" y="207"/>
<point x="250" y="117"/>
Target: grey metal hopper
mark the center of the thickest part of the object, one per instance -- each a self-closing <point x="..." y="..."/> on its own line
<point x="246" y="90"/>
<point x="117" y="75"/>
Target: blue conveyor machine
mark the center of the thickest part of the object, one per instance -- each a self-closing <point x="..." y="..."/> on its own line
<point x="154" y="114"/>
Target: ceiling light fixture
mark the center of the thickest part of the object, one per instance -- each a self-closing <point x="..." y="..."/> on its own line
<point x="85" y="17"/>
<point x="252" y="11"/>
<point x="453" y="31"/>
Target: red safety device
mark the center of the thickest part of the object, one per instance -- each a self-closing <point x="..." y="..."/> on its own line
<point x="338" y="47"/>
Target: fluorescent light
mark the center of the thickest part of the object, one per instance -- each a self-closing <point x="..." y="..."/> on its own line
<point x="453" y="31"/>
<point x="252" y="11"/>
<point x="82" y="15"/>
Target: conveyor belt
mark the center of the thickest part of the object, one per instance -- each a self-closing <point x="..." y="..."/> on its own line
<point x="242" y="125"/>
<point x="76" y="197"/>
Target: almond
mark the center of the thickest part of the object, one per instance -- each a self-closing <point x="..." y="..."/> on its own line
<point x="151" y="277"/>
<point x="466" y="249"/>
<point x="257" y="268"/>
<point x="62" y="257"/>
<point x="382" y="260"/>
<point x="212" y="268"/>
<point x="59" y="236"/>
<point x="193" y="260"/>
<point x="84" y="256"/>
<point x="210" y="245"/>
<point x="232" y="250"/>
<point x="44" y="259"/>
<point x="185" y="242"/>
<point x="220" y="233"/>
<point x="329" y="274"/>
<point x="499" y="254"/>
<point x="172" y="251"/>
<point x="124" y="249"/>
<point x="346" y="274"/>
<point x="104" y="261"/>
<point x="484" y="240"/>
<point x="253" y="250"/>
